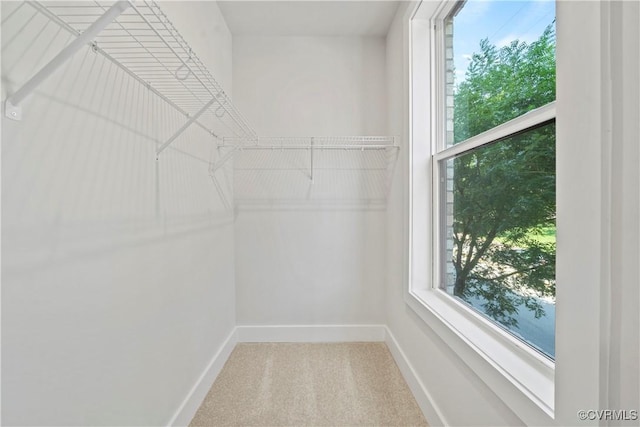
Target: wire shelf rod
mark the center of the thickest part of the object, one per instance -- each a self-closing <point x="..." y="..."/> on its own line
<point x="109" y="57"/>
<point x="243" y="122"/>
<point x="318" y="142"/>
<point x="184" y="63"/>
<point x="309" y="147"/>
<point x="341" y="169"/>
<point x="163" y="67"/>
<point x="386" y="145"/>
<point x="144" y="47"/>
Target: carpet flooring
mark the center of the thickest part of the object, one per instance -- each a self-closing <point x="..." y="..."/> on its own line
<point x="291" y="384"/>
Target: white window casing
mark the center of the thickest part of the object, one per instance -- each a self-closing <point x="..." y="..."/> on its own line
<point x="597" y="178"/>
<point x="522" y="377"/>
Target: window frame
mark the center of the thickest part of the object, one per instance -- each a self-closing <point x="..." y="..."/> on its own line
<point x="492" y="352"/>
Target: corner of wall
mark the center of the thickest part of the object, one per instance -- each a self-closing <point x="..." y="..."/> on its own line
<point x="189" y="406"/>
<point x="425" y="401"/>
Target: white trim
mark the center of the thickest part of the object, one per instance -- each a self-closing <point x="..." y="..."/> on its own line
<point x="527" y="370"/>
<point x="311" y="333"/>
<point x="512" y="388"/>
<point x="189" y="406"/>
<point x="419" y="161"/>
<point x="432" y="413"/>
<point x="438" y="75"/>
<point x="519" y="124"/>
<point x="517" y="374"/>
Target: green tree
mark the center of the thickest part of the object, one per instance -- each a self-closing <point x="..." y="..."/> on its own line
<point x="504" y="193"/>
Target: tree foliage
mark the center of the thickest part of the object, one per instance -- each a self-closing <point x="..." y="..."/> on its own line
<point x="504" y="193"/>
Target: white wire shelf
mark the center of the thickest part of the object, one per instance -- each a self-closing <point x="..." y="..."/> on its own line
<point x="313" y="144"/>
<point x="141" y="40"/>
<point x="339" y="171"/>
<point x="308" y="143"/>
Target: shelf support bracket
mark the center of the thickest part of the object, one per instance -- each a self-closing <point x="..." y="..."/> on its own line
<point x="186" y="125"/>
<point x="311" y="160"/>
<point x="223" y="160"/>
<point x="12" y="104"/>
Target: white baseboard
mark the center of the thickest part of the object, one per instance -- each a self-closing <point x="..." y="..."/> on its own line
<point x="311" y="333"/>
<point x="430" y="410"/>
<point x="198" y="392"/>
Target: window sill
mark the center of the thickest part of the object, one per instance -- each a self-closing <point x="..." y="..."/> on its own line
<point x="516" y="373"/>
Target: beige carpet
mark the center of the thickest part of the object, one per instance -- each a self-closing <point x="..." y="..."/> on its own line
<point x="287" y="384"/>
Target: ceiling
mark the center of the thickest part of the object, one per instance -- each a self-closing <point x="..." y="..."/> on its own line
<point x="309" y="18"/>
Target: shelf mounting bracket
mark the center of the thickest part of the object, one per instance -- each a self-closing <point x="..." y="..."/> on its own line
<point x="223" y="160"/>
<point x="186" y="125"/>
<point x="311" y="174"/>
<point x="12" y="108"/>
<point x="12" y="111"/>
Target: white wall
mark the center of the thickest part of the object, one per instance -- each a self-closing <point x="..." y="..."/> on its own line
<point x="300" y="262"/>
<point x="111" y="310"/>
<point x="598" y="345"/>
<point x="203" y="26"/>
<point x="311" y="86"/>
<point x="598" y="208"/>
<point x="310" y="267"/>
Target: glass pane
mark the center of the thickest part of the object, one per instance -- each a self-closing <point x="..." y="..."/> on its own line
<point x="499" y="208"/>
<point x="500" y="63"/>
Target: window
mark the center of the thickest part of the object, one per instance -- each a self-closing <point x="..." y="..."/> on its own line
<point x="483" y="189"/>
<point x="496" y="165"/>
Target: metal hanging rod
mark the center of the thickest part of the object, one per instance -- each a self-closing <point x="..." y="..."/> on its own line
<point x="310" y="147"/>
<point x="307" y="143"/>
<point x="233" y="146"/>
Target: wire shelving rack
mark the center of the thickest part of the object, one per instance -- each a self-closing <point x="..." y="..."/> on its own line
<point x="138" y="37"/>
